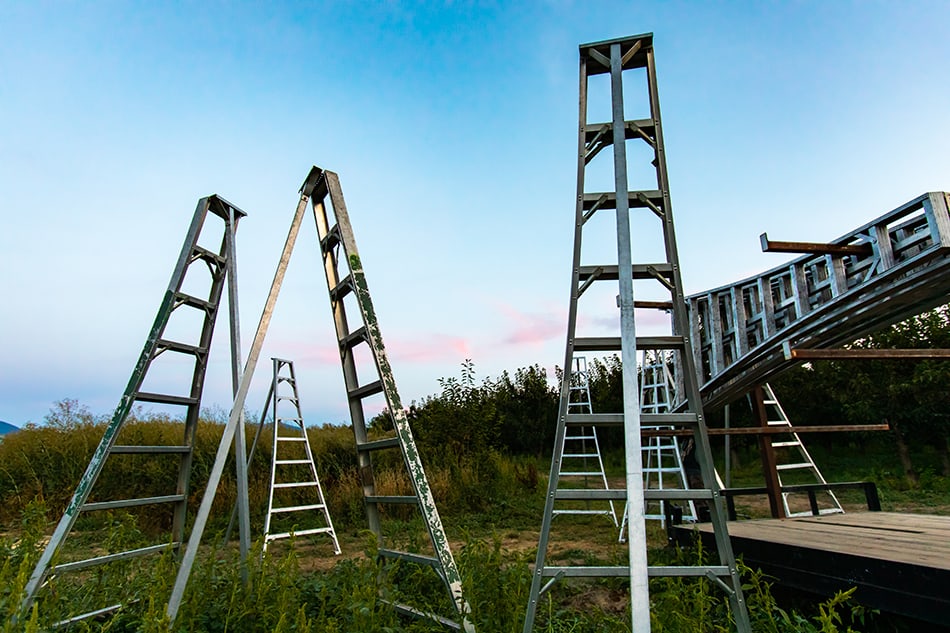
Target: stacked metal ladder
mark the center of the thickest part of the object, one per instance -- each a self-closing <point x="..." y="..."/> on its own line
<point x="292" y="465"/>
<point x="791" y="456"/>
<point x="180" y="305"/>
<point x="616" y="57"/>
<point x="663" y="460"/>
<point x="581" y="445"/>
<point x="347" y="281"/>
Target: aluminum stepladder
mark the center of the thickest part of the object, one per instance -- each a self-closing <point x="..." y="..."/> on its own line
<point x="789" y="455"/>
<point x="292" y="466"/>
<point x="662" y="454"/>
<point x="615" y="57"/>
<point x="581" y="445"/>
<point x="180" y="302"/>
<point x="345" y="278"/>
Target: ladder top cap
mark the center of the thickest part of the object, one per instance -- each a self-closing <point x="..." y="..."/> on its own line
<point x="310" y="183"/>
<point x="219" y="206"/>
<point x="645" y="41"/>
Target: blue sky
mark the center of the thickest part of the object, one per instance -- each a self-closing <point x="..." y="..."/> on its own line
<point x="453" y="129"/>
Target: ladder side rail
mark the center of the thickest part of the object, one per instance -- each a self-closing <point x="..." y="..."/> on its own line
<point x="218" y="274"/>
<point x="692" y="394"/>
<point x="240" y="440"/>
<point x="557" y="456"/>
<point x="331" y="265"/>
<point x="275" y="389"/>
<point x="204" y="510"/>
<point x="250" y="455"/>
<point x="121" y="413"/>
<point x="450" y="574"/>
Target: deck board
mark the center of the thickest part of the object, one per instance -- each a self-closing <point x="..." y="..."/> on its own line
<point x="899" y="562"/>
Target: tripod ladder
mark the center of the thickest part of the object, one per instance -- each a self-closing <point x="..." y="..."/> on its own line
<point x="659" y="287"/>
<point x="581" y="445"/>
<point x="292" y="467"/>
<point x="791" y="459"/>
<point x="192" y="296"/>
<point x="349" y="295"/>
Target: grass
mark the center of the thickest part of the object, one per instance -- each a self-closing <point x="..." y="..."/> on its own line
<point x="492" y="507"/>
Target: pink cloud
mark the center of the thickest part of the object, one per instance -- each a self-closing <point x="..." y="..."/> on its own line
<point x="435" y="348"/>
<point x="533" y="328"/>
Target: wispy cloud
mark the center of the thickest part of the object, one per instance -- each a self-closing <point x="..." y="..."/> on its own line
<point x="531" y="328"/>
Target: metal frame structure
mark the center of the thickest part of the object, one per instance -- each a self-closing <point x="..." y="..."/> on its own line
<point x="614" y="57"/>
<point x="292" y="469"/>
<point x="585" y="446"/>
<point x="222" y="266"/>
<point x="828" y="297"/>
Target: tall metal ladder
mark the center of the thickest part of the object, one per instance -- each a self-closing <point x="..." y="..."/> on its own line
<point x="179" y="304"/>
<point x="346" y="279"/>
<point x="292" y="465"/>
<point x="789" y="455"/>
<point x="582" y="447"/>
<point x="662" y="456"/>
<point x="617" y="57"/>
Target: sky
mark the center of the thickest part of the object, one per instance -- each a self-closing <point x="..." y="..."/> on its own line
<point x="453" y="129"/>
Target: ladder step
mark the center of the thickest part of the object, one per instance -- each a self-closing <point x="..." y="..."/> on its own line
<point x="176" y="346"/>
<point x="205" y="254"/>
<point x="794" y="466"/>
<point x="282" y="535"/>
<point x="577" y="438"/>
<point x="297" y="484"/>
<point x="579" y="455"/>
<point x="419" y="559"/>
<point x="285" y="462"/>
<point x="303" y="508"/>
<point x="331" y="239"/>
<point x="287" y="399"/>
<point x="610" y="199"/>
<point x="161" y="398"/>
<point x="108" y="558"/>
<point x="137" y="450"/>
<point x="375" y="445"/>
<point x="130" y="503"/>
<point x="578" y="473"/>
<point x="280" y="420"/>
<point x="582" y="494"/>
<point x="342" y="289"/>
<point x="785" y="444"/>
<point x="390" y="499"/>
<point x="290" y="438"/>
<point x="185" y="299"/>
<point x="663" y="571"/>
<point x="589" y="512"/>
<point x="611" y="272"/>
<point x="354" y="338"/>
<point x="370" y="389"/>
<point x="646" y="419"/>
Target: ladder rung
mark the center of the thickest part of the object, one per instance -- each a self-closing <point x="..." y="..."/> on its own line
<point x="354" y="338"/>
<point x="130" y="503"/>
<point x="652" y="570"/>
<point x="577" y="473"/>
<point x="390" y="499"/>
<point x="280" y="420"/>
<point x="677" y="494"/>
<point x="581" y="494"/>
<point x="290" y="438"/>
<point x="370" y="389"/>
<point x="176" y="346"/>
<point x="296" y="484"/>
<point x="646" y="419"/>
<point x="194" y="302"/>
<point x="612" y="272"/>
<point x="597" y="344"/>
<point x="134" y="450"/>
<point x="332" y="238"/>
<point x="794" y="466"/>
<point x="287" y="399"/>
<point x="779" y="423"/>
<point x="342" y="289"/>
<point x="413" y="612"/>
<point x="610" y="199"/>
<point x="311" y="506"/>
<point x="161" y="398"/>
<point x="590" y="512"/>
<point x="375" y="445"/>
<point x="285" y="462"/>
<point x="274" y="537"/>
<point x="785" y="444"/>
<point x="419" y="559"/>
<point x="108" y="558"/>
<point x="205" y="254"/>
<point x="85" y="616"/>
<point x="576" y="438"/>
<point x="578" y="455"/>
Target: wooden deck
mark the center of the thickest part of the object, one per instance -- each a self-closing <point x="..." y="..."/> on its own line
<point x="900" y="563"/>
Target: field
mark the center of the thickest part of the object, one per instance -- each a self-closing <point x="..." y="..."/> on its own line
<point x="491" y="507"/>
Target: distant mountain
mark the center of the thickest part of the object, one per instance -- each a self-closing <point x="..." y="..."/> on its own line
<point x="7" y="428"/>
